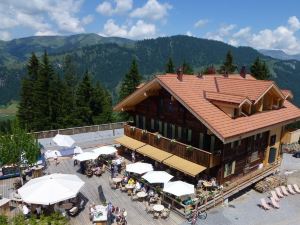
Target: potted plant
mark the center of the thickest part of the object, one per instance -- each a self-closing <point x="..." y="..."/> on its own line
<point x="189" y="149"/>
<point x="132" y="129"/>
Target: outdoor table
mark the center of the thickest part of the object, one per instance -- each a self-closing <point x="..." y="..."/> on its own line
<point x="67" y="205"/>
<point x="37" y="171"/>
<point x="100" y="216"/>
<point x="4" y="206"/>
<point x="117" y="179"/>
<point x="129" y="187"/>
<point x="141" y="194"/>
<point x="207" y="184"/>
<point x="158" y="208"/>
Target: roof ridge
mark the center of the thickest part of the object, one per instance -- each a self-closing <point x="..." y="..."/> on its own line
<point x="223" y="93"/>
<point x="228" y="78"/>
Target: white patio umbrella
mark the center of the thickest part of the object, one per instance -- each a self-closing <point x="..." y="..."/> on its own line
<point x="50" y="189"/>
<point x="155" y="177"/>
<point x="85" y="156"/>
<point x="139" y="167"/>
<point x="52" y="154"/>
<point x="63" y="140"/>
<point x="77" y="150"/>
<point x="179" y="188"/>
<point x="105" y="150"/>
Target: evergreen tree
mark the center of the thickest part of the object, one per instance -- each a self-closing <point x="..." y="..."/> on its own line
<point x="209" y="70"/>
<point x="69" y="85"/>
<point x="84" y="94"/>
<point x="228" y="66"/>
<point x="40" y="96"/>
<point x="260" y="70"/>
<point x="131" y="80"/>
<point x="27" y="104"/>
<point x="187" y="69"/>
<point x="170" y="66"/>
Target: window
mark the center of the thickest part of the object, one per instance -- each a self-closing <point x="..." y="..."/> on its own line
<point x="137" y="120"/>
<point x="173" y="130"/>
<point x="152" y="124"/>
<point x="189" y="139"/>
<point x="212" y="143"/>
<point x="236" y="112"/>
<point x="144" y="122"/>
<point x="160" y="128"/>
<point x="165" y="129"/>
<point x="254" y="156"/>
<point x="179" y="133"/>
<point x="272" y="140"/>
<point x="229" y="169"/>
<point x="201" y="140"/>
<point x="236" y="143"/>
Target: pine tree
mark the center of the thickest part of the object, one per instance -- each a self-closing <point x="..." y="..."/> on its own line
<point x="84" y="94"/>
<point x="42" y="110"/>
<point x="27" y="104"/>
<point x="69" y="85"/>
<point x="228" y="66"/>
<point x="260" y="70"/>
<point x="131" y="80"/>
<point x="170" y="66"/>
<point x="186" y="68"/>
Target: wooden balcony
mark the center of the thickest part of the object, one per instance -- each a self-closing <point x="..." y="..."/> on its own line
<point x="192" y="154"/>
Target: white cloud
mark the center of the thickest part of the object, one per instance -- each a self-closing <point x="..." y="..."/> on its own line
<point x="189" y="33"/>
<point x="5" y="35"/>
<point x="121" y="6"/>
<point x="46" y="33"/>
<point x="87" y="19"/>
<point x="152" y="10"/>
<point x="201" y="23"/>
<point x="281" y="37"/>
<point x="43" y="15"/>
<point x="136" y="31"/>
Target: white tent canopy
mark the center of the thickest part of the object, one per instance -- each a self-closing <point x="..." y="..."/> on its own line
<point x="139" y="168"/>
<point x="63" y="140"/>
<point x="155" y="177"/>
<point x="179" y="188"/>
<point x="50" y="189"/>
<point x="63" y="152"/>
<point x="85" y="156"/>
<point x="105" y="150"/>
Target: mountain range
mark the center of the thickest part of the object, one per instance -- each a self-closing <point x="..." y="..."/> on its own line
<point x="108" y="58"/>
<point x="279" y="54"/>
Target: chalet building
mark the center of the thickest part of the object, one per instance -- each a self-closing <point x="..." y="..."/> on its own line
<point x="225" y="126"/>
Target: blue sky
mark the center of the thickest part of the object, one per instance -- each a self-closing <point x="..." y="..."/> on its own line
<point x="261" y="24"/>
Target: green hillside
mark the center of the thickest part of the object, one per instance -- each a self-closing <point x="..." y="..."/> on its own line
<point x="108" y="59"/>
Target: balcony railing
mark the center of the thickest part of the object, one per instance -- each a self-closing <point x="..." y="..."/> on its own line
<point x="190" y="153"/>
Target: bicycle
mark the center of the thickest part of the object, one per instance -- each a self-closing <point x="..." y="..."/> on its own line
<point x="195" y="215"/>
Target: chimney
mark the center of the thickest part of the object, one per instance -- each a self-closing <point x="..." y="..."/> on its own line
<point x="179" y="74"/>
<point x="200" y="75"/>
<point x="243" y="72"/>
<point x="225" y="74"/>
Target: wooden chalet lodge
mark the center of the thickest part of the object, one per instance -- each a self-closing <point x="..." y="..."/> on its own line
<point x="225" y="126"/>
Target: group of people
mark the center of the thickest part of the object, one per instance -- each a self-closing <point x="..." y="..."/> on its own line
<point x="27" y="212"/>
<point x="212" y="181"/>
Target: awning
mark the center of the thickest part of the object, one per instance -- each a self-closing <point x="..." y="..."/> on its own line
<point x="154" y="153"/>
<point x="129" y="142"/>
<point x="184" y="165"/>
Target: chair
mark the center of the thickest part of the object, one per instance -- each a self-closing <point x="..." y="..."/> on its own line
<point x="278" y="192"/>
<point x="134" y="197"/>
<point x="284" y="191"/>
<point x="73" y="211"/>
<point x="274" y="195"/>
<point x="290" y="189"/>
<point x="149" y="208"/>
<point x="123" y="188"/>
<point x="112" y="185"/>
<point x="264" y="204"/>
<point x="274" y="203"/>
<point x="296" y="188"/>
<point x="156" y="215"/>
<point x="165" y="214"/>
<point x="103" y="169"/>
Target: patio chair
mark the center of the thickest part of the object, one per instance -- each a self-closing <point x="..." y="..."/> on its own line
<point x="264" y="204"/>
<point x="274" y="195"/>
<point x="156" y="215"/>
<point x="73" y="211"/>
<point x="165" y="214"/>
<point x="149" y="208"/>
<point x="291" y="189"/>
<point x="284" y="191"/>
<point x="123" y="188"/>
<point x="296" y="188"/>
<point x="278" y="192"/>
<point x="112" y="185"/>
<point x="134" y="197"/>
<point x="274" y="203"/>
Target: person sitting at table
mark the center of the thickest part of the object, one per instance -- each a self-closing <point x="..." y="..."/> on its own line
<point x="131" y="181"/>
<point x="150" y="192"/>
<point x="38" y="211"/>
<point x="144" y="189"/>
<point x="213" y="182"/>
<point x="200" y="183"/>
<point x="125" y="180"/>
<point x="93" y="210"/>
<point x="25" y="211"/>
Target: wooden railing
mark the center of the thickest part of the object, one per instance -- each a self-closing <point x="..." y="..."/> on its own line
<point x="193" y="154"/>
<point x="79" y="130"/>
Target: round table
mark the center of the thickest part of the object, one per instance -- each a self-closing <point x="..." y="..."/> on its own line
<point x="37" y="171"/>
<point x="158" y="208"/>
<point x="207" y="184"/>
<point x="67" y="205"/>
<point x="141" y="194"/>
<point x="129" y="188"/>
<point x="117" y="179"/>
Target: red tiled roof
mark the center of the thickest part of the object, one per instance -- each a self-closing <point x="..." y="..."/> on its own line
<point x="190" y="92"/>
<point x="287" y="93"/>
<point x="217" y="96"/>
